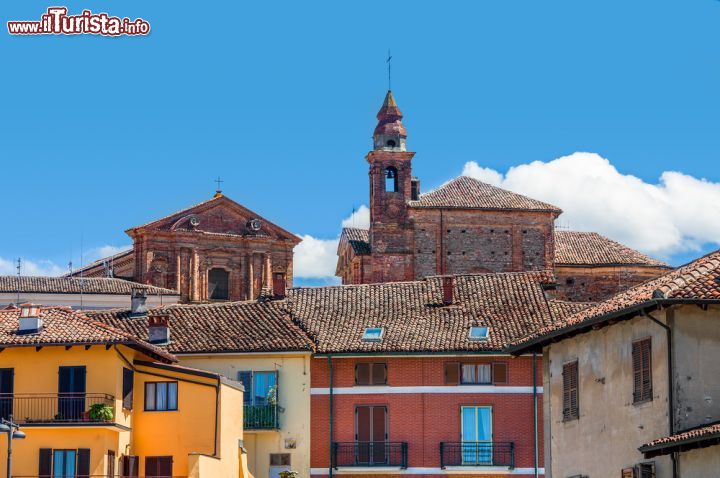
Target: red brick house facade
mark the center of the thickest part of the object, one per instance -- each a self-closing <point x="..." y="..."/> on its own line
<point x="467" y="226"/>
<point x="429" y="390"/>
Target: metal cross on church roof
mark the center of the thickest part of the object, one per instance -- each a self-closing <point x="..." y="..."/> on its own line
<point x="219" y="181"/>
<point x="389" y="65"/>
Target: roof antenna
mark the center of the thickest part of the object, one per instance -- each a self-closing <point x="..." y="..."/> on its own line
<point x="389" y="66"/>
<point x="19" y="269"/>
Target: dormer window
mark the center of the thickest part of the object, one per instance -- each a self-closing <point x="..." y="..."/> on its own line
<point x="372" y="334"/>
<point x="479" y="333"/>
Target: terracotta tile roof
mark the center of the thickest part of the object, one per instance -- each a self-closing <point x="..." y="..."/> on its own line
<point x="75" y="285"/>
<point x="413" y="317"/>
<point x="65" y="326"/>
<point x="359" y="240"/>
<point x="225" y="327"/>
<point x="700" y="436"/>
<point x="467" y="193"/>
<point x="561" y="309"/>
<point x="590" y="248"/>
<point x="97" y="268"/>
<point x="697" y="281"/>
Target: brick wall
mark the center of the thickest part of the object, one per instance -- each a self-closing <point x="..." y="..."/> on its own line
<point x="588" y="284"/>
<point x="423" y="420"/>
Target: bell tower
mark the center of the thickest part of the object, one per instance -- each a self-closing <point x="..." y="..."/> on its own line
<point x="391" y="233"/>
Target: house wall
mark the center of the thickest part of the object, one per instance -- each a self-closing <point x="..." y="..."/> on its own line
<point x="696" y="337"/>
<point x="425" y="417"/>
<point x="293" y="398"/>
<point x="606" y="437"/>
<point x="700" y="462"/>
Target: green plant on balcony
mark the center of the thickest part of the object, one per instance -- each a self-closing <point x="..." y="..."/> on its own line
<point x="101" y="412"/>
<point x="272" y="395"/>
<point x="288" y="474"/>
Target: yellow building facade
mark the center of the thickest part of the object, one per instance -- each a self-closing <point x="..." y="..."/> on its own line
<point x="95" y="401"/>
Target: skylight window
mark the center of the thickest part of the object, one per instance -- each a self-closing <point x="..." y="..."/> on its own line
<point x="478" y="333"/>
<point x="372" y="334"/>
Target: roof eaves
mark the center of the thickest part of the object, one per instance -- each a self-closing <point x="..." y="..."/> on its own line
<point x="664" y="448"/>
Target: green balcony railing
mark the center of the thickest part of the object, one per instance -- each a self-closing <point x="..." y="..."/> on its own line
<point x="260" y="417"/>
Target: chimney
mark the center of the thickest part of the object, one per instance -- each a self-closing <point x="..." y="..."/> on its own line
<point x="30" y="320"/>
<point x="278" y="285"/>
<point x="159" y="329"/>
<point x="448" y="290"/>
<point x="138" y="308"/>
<point x="414" y="189"/>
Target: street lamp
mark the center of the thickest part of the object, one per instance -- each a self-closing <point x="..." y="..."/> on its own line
<point x="13" y="433"/>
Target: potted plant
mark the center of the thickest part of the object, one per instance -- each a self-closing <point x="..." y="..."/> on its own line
<point x="101" y="412"/>
<point x="288" y="474"/>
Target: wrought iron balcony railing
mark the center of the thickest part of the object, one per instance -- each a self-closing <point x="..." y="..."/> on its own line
<point x="370" y="454"/>
<point x="471" y="453"/>
<point x="31" y="408"/>
<point x="260" y="417"/>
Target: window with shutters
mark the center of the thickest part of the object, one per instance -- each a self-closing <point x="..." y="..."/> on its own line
<point x="571" y="408"/>
<point x="371" y="373"/>
<point x="129" y="466"/>
<point x="642" y="370"/>
<point x="279" y="459"/>
<point x="128" y="378"/>
<point x="457" y="373"/>
<point x="158" y="466"/>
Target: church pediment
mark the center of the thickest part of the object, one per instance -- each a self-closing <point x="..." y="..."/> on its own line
<point x="221" y="216"/>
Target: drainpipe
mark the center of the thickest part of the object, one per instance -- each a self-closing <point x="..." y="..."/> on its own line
<point x="671" y="400"/>
<point x="535" y="415"/>
<point x="330" y="366"/>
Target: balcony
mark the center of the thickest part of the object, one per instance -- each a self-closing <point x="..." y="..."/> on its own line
<point x="260" y="417"/>
<point x="54" y="408"/>
<point x="373" y="454"/>
<point x="477" y="454"/>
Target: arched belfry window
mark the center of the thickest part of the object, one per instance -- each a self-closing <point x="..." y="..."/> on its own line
<point x="218" y="284"/>
<point x="391" y="179"/>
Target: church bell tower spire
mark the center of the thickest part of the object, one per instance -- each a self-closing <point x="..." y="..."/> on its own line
<point x="390" y="133"/>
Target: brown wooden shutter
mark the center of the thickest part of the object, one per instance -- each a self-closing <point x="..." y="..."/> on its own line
<point x="571" y="408"/>
<point x="452" y="373"/>
<point x="165" y="466"/>
<point x="362" y="373"/>
<point x="128" y="378"/>
<point x="111" y="463"/>
<point x="379" y="374"/>
<point x="83" y="463"/>
<point x="45" y="468"/>
<point x="130" y="466"/>
<point x="500" y="372"/>
<point x="642" y="370"/>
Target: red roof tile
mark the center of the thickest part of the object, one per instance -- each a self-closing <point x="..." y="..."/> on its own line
<point x="698" y="280"/>
<point x="64" y="326"/>
<point x="670" y="444"/>
<point x="467" y="193"/>
<point x="359" y="240"/>
<point x="413" y="317"/>
<point x="76" y="285"/>
<point x="590" y="248"/>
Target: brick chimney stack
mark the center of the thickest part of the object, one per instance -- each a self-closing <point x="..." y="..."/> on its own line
<point x="159" y="329"/>
<point x="448" y="283"/>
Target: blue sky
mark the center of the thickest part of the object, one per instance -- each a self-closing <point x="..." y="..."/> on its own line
<point x="278" y="98"/>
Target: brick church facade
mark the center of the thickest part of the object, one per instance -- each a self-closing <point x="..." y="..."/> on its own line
<point x="467" y="226"/>
<point x="215" y="250"/>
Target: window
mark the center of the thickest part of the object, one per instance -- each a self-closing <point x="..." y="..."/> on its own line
<point x="129" y="466"/>
<point x="218" y="284"/>
<point x="6" y="392"/>
<point x="642" y="371"/>
<point x="645" y="470"/>
<point x="260" y="387"/>
<point x="372" y="334"/>
<point x="158" y="466"/>
<point x="128" y="378"/>
<point x="367" y="373"/>
<point x="476" y="435"/>
<point x="478" y="333"/>
<point x="457" y="373"/>
<point x="391" y="180"/>
<point x="571" y="410"/>
<point x="390" y="143"/>
<point x="64" y="463"/>
<point x="161" y="396"/>
<point x="279" y="459"/>
<point x="476" y="373"/>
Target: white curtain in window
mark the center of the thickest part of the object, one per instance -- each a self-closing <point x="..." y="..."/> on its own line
<point x="468" y="373"/>
<point x="483" y="373"/>
<point x="161" y="397"/>
<point x="150" y="396"/>
<point x="172" y="396"/>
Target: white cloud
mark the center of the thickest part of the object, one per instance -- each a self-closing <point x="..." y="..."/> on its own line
<point x="677" y="214"/>
<point x="359" y="219"/>
<point x="104" y="251"/>
<point x="30" y="268"/>
<point x="315" y="258"/>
